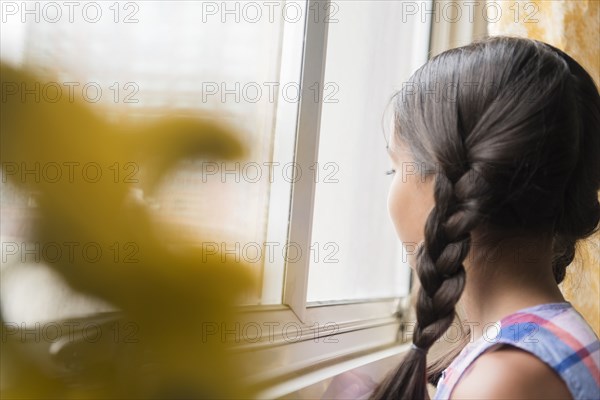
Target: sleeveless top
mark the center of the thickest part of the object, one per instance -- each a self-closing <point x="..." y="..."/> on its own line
<point x="555" y="333"/>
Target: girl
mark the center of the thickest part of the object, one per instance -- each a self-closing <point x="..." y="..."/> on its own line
<point x="506" y="134"/>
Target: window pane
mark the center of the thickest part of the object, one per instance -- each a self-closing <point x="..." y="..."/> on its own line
<point x="370" y="52"/>
<point x="138" y="60"/>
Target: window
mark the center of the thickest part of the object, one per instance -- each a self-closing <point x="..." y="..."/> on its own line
<point x="138" y="60"/>
<point x="366" y="60"/>
<point x="306" y="83"/>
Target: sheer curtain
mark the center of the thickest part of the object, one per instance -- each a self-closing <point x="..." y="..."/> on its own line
<point x="140" y="60"/>
<point x="356" y="254"/>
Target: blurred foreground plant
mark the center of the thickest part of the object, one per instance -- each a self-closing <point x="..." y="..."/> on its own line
<point x="170" y="295"/>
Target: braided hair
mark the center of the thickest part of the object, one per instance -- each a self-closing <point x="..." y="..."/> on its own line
<point x="510" y="127"/>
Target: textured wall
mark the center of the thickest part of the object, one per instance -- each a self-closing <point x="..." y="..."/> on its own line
<point x="574" y="27"/>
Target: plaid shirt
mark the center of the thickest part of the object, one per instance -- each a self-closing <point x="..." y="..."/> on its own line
<point x="556" y="333"/>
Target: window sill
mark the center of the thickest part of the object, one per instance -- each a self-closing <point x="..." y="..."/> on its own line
<point x="312" y="382"/>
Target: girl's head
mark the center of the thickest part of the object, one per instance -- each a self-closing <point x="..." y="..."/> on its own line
<point x="500" y="137"/>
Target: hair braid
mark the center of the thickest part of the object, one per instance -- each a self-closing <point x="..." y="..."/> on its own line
<point x="440" y="262"/>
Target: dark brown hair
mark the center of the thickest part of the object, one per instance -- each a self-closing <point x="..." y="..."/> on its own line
<point x="510" y="127"/>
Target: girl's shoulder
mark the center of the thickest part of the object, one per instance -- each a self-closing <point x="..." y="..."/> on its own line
<point x="516" y="374"/>
<point x="549" y="340"/>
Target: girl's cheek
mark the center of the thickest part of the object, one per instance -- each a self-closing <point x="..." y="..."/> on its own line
<point x="409" y="204"/>
<point x="397" y="207"/>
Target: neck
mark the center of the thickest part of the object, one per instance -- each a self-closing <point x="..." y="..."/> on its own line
<point x="517" y="275"/>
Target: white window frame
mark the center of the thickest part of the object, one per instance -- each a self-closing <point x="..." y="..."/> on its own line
<point x="307" y="336"/>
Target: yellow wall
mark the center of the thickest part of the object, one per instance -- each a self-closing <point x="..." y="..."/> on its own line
<point x="574" y="27"/>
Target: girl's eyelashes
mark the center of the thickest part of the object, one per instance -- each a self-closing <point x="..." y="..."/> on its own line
<point x="390" y="172"/>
